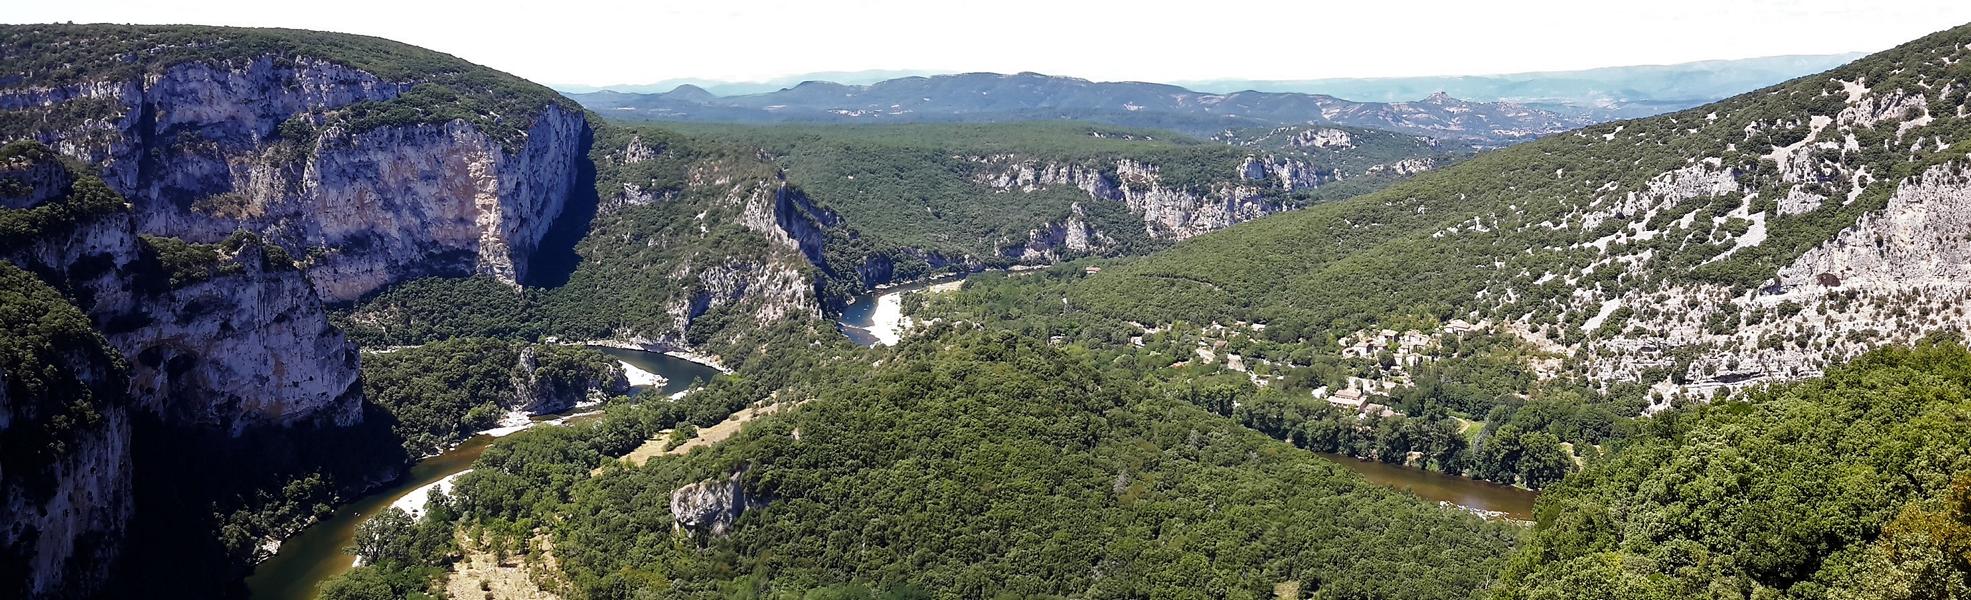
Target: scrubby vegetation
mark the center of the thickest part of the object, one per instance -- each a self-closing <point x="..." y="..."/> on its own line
<point x="86" y="198"/>
<point x="1452" y="242"/>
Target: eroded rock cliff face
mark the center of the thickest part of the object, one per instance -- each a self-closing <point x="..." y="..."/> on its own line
<point x="1059" y="240"/>
<point x="235" y="339"/>
<point x="203" y="149"/>
<point x="1168" y="211"/>
<point x="64" y="444"/>
<point x="220" y="187"/>
<point x="226" y="338"/>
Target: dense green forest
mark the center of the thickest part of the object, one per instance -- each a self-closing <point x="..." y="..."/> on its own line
<point x="1849" y="486"/>
<point x="916" y="185"/>
<point x="972" y="465"/>
<point x="1475" y="409"/>
<point x="438" y="393"/>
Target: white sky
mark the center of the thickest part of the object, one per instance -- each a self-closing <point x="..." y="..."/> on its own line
<point x="608" y="42"/>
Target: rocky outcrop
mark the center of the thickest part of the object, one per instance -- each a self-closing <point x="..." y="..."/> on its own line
<point x="1918" y="240"/>
<point x="710" y="507"/>
<point x="1289" y="174"/>
<point x="769" y="290"/>
<point x="249" y="345"/>
<point x="206" y="148"/>
<point x="1322" y="138"/>
<point x="402" y="202"/>
<point x="234" y="343"/>
<point x="65" y="429"/>
<point x="252" y="349"/>
<point x="561" y="384"/>
<point x="790" y="218"/>
<point x="1176" y="213"/>
<point x="1058" y="240"/>
<point x="1168" y="212"/>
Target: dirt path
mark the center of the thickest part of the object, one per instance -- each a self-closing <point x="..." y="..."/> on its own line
<point x="707" y="436"/>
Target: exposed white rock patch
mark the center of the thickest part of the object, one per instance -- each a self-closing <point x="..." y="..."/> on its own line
<point x="1799" y="201"/>
<point x="639" y="377"/>
<point x="414" y="501"/>
<point x="1167" y="212"/>
<point x="886" y="322"/>
<point x="1608" y="307"/>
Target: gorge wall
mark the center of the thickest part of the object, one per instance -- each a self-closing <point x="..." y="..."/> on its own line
<point x="199" y="196"/>
<point x="204" y="149"/>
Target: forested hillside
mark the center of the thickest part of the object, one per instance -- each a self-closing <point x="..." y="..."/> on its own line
<point x="965" y="465"/>
<point x="1552" y="294"/>
<point x="250" y="274"/>
<point x="1856" y="485"/>
<point x="705" y="233"/>
<point x="1749" y="240"/>
<point x="944" y="188"/>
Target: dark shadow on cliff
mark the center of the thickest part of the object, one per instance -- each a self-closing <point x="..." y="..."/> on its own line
<point x="202" y="496"/>
<point x="555" y="260"/>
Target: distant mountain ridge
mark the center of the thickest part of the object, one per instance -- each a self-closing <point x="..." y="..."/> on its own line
<point x="725" y="87"/>
<point x="984" y="97"/>
<point x="1672" y="86"/>
<point x="1580" y="96"/>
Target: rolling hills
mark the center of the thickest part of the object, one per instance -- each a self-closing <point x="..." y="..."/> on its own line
<point x="205" y="228"/>
<point x="1749" y="240"/>
<point x="991" y="97"/>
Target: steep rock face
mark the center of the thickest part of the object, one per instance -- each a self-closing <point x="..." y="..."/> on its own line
<point x="1058" y="240"/>
<point x="65" y="471"/>
<point x="1168" y="212"/>
<point x="398" y="203"/>
<point x="772" y="287"/>
<point x="89" y="506"/>
<point x="250" y="346"/>
<point x="246" y="346"/>
<point x="239" y="351"/>
<point x="1917" y="241"/>
<point x="223" y="109"/>
<point x="205" y="148"/>
<point x="1289" y="174"/>
<point x="788" y="217"/>
<point x="1175" y="213"/>
<point x="710" y="507"/>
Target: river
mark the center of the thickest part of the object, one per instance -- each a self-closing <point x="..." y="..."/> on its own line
<point x="1516" y="503"/>
<point x="875" y="317"/>
<point x="307" y="559"/>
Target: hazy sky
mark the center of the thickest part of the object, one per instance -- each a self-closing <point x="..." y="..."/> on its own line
<point x="597" y="42"/>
